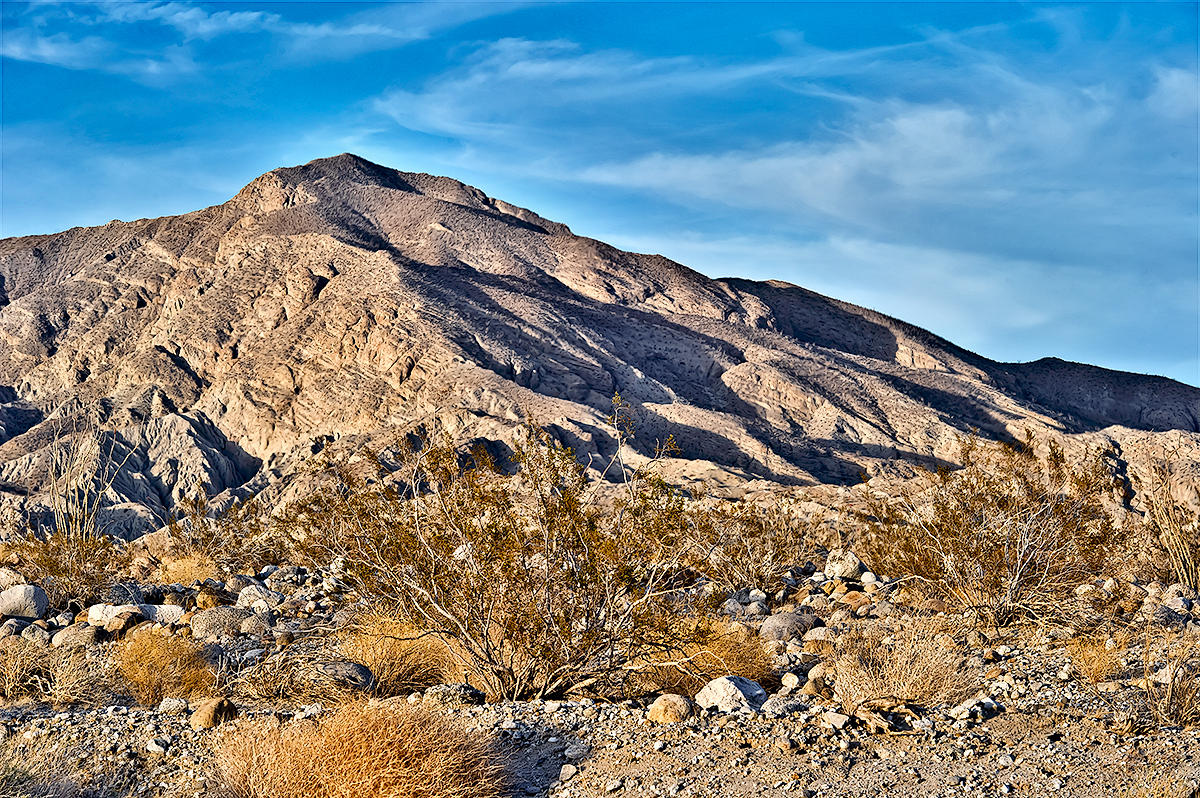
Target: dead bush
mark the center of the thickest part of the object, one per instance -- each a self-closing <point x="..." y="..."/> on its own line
<point x="1171" y="682"/>
<point x="741" y="544"/>
<point x="58" y="676"/>
<point x="401" y="657"/>
<point x="71" y="555"/>
<point x="24" y="777"/>
<point x="186" y="569"/>
<point x="919" y="665"/>
<point x="712" y="649"/>
<point x="238" y="539"/>
<point x="532" y="583"/>
<point x="1174" y="523"/>
<point x="43" y="767"/>
<point x="156" y="666"/>
<point x="1011" y="534"/>
<point x="360" y="751"/>
<point x="1097" y="658"/>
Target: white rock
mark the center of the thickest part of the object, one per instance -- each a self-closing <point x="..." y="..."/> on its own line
<point x="24" y="601"/>
<point x="252" y="595"/>
<point x="843" y="564"/>
<point x="732" y="694"/>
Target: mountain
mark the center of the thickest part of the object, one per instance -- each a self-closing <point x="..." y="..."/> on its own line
<point x="342" y="303"/>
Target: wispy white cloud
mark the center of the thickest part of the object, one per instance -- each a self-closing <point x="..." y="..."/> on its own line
<point x="84" y="35"/>
<point x="1176" y="94"/>
<point x="1010" y="200"/>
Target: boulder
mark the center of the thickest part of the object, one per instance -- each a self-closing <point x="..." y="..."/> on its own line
<point x="24" y="601"/>
<point x="342" y="674"/>
<point x="455" y="695"/>
<point x="219" y="622"/>
<point x="78" y="635"/>
<point x="732" y="694"/>
<point x="259" y="597"/>
<point x="119" y="625"/>
<point x="101" y="614"/>
<point x="238" y="582"/>
<point x="36" y="633"/>
<point x="10" y="578"/>
<point x="788" y="625"/>
<point x="670" y="708"/>
<point x="843" y="564"/>
<point x="1168" y="618"/>
<point x="780" y="706"/>
<point x="212" y="713"/>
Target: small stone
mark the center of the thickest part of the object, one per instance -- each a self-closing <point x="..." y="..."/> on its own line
<point x="732" y="694"/>
<point x="157" y="746"/>
<point x="212" y="713"/>
<point x="259" y="597"/>
<point x="843" y="564"/>
<point x="454" y="695"/>
<point x="614" y="786"/>
<point x="757" y="609"/>
<point x="788" y="626"/>
<point x="173" y="706"/>
<point x="835" y="720"/>
<point x="670" y="708"/>
<point x="567" y="772"/>
<point x="78" y="635"/>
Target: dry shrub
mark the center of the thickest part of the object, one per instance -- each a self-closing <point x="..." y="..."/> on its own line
<point x="713" y="649"/>
<point x="401" y="657"/>
<point x="23" y="776"/>
<point x="1094" y="658"/>
<point x="1175" y="700"/>
<point x="44" y="767"/>
<point x="156" y="666"/>
<point x="186" y="569"/>
<point x="531" y="581"/>
<point x="1174" y="523"/>
<point x="72" y="566"/>
<point x="746" y="545"/>
<point x="71" y="555"/>
<point x="290" y="676"/>
<point x="919" y="665"/>
<point x="1010" y="535"/>
<point x="360" y="751"/>
<point x="236" y="540"/>
<point x="59" y="676"/>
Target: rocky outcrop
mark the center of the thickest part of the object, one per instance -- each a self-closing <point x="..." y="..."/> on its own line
<point x="342" y="303"/>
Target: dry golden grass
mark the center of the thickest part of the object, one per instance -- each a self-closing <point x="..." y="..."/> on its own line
<point x="360" y="751"/>
<point x="919" y="665"/>
<point x="156" y="666"/>
<point x="186" y="569"/>
<point x="713" y="649"/>
<point x="61" y="677"/>
<point x="400" y="657"/>
<point x="1174" y="698"/>
<point x="1094" y="658"/>
<point x="44" y="768"/>
<point x="22" y="776"/>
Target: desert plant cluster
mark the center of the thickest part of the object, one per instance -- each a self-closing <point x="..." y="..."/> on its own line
<point x="426" y="577"/>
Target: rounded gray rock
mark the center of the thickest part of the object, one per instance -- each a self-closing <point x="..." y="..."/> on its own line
<point x="788" y="625"/>
<point x="24" y="601"/>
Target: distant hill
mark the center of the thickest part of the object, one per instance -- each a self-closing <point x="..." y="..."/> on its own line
<point x="341" y="303"/>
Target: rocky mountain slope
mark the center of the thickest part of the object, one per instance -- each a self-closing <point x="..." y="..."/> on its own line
<point x="343" y="303"/>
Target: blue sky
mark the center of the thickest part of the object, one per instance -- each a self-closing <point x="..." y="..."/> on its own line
<point x="1021" y="179"/>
